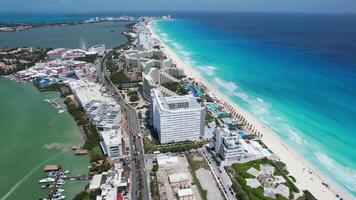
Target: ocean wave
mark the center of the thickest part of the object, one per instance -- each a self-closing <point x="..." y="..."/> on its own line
<point x="227" y="85"/>
<point x="176" y="45"/>
<point x="186" y="54"/>
<point x="210" y="70"/>
<point x="293" y="133"/>
<point x="344" y="174"/>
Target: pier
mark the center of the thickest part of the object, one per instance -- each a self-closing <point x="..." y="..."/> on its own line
<point x="55" y="104"/>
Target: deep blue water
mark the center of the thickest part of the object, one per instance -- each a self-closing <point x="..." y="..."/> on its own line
<point x="295" y="72"/>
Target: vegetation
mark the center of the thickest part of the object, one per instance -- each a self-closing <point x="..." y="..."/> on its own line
<point x="175" y="87"/>
<point x="133" y="96"/>
<point x="180" y="147"/>
<point x="88" y="58"/>
<point x="154" y="183"/>
<point x="209" y="117"/>
<point x="88" y="195"/>
<point x="244" y="192"/>
<point x="119" y="77"/>
<point x="96" y="153"/>
<point x="307" y="196"/>
<point x="103" y="167"/>
<point x="92" y="136"/>
<point x="53" y="87"/>
<point x="22" y="59"/>
<point x="111" y="66"/>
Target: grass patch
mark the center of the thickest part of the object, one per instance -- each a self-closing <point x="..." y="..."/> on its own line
<point x="244" y="192"/>
<point x="97" y="153"/>
<point x="154" y="183"/>
<point x="119" y="77"/>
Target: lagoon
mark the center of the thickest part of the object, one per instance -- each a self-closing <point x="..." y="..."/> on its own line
<point x="27" y="124"/>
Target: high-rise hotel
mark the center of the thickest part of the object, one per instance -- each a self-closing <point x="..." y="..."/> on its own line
<point x="177" y="118"/>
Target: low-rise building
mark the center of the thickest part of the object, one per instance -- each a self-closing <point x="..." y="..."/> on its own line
<point x="185" y="194"/>
<point x="230" y="145"/>
<point x="105" y="116"/>
<point x="112" y="143"/>
<point x="113" y="184"/>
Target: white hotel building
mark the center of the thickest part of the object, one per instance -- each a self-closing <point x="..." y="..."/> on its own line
<point x="177" y="118"/>
<point x="231" y="146"/>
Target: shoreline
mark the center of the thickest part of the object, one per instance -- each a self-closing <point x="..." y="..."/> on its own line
<point x="307" y="176"/>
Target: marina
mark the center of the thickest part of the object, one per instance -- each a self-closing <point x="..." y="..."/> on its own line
<point x="56" y="178"/>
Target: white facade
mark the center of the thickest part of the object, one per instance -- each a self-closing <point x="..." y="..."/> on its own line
<point x="98" y="49"/>
<point x="177" y="118"/>
<point x="230" y="145"/>
<point x="112" y="143"/>
<point x="153" y="78"/>
<point x="152" y="58"/>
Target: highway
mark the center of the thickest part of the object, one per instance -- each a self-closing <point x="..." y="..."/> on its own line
<point x="139" y="182"/>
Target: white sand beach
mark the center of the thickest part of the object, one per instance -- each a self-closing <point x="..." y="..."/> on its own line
<point x="308" y="178"/>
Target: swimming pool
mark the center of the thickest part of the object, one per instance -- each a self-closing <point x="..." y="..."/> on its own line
<point x="212" y="107"/>
<point x="242" y="133"/>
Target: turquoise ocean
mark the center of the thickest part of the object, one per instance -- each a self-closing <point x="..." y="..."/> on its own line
<point x="295" y="72"/>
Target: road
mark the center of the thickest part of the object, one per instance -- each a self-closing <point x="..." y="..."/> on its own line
<point x="220" y="175"/>
<point x="139" y="184"/>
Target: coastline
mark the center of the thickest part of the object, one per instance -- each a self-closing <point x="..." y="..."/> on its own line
<point x="308" y="178"/>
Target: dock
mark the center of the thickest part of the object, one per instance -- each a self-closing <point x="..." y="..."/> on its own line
<point x="55" y="104"/>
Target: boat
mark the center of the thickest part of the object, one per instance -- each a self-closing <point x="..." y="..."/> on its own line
<point x="51" y="174"/>
<point x="45" y="186"/>
<point x="58" y="197"/>
<point x="46" y="180"/>
<point x="61" y="190"/>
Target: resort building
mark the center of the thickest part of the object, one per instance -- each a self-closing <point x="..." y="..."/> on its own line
<point x="151" y="58"/>
<point x="154" y="78"/>
<point x="112" y="143"/>
<point x="230" y="145"/>
<point x="177" y="118"/>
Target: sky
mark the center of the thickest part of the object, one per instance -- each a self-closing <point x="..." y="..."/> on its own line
<point x="77" y="6"/>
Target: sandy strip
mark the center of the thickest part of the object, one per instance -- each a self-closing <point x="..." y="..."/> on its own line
<point x="308" y="178"/>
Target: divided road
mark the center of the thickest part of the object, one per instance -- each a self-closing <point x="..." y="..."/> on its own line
<point x="134" y="130"/>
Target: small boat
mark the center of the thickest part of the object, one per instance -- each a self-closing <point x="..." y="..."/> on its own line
<point x="51" y="174"/>
<point x="59" y="197"/>
<point x="61" y="190"/>
<point x="66" y="172"/>
<point x="46" y="180"/>
<point x="45" y="186"/>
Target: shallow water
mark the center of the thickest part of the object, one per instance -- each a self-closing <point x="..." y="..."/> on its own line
<point x="27" y="124"/>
